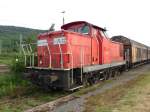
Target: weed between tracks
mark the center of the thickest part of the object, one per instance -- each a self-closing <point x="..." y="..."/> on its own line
<point x="134" y="96"/>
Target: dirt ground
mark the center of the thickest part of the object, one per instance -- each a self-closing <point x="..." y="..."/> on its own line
<point x="78" y="104"/>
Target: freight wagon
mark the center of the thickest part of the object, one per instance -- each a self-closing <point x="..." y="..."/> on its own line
<point x="148" y="53"/>
<point x="135" y="53"/>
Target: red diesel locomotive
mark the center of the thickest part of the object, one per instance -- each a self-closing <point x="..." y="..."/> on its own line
<point x="80" y="53"/>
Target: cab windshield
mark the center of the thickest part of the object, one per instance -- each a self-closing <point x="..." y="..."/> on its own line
<point x="82" y="29"/>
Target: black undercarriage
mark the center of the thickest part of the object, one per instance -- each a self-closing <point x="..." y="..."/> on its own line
<point x="69" y="79"/>
<point x="74" y="78"/>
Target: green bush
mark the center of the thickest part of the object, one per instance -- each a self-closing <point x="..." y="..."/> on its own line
<point x="18" y="64"/>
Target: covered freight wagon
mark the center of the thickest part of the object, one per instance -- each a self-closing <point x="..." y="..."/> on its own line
<point x="135" y="52"/>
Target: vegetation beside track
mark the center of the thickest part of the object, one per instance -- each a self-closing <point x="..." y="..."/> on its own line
<point x="17" y="94"/>
<point x="134" y="96"/>
<point x="6" y="59"/>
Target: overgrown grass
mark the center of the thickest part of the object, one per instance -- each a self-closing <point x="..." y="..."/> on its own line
<point x="124" y="98"/>
<point x="14" y="61"/>
<point x="9" y="82"/>
<point x="17" y="94"/>
<point x="4" y="59"/>
<point x="18" y="64"/>
<point x="8" y="58"/>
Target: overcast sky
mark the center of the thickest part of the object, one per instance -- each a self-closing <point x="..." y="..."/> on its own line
<point x="130" y="18"/>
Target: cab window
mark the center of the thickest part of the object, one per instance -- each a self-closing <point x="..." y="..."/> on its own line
<point x="81" y="29"/>
<point x="84" y="29"/>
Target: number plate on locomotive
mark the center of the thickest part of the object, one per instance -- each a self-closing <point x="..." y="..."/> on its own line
<point x="60" y="40"/>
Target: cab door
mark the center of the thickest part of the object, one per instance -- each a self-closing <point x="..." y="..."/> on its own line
<point x="95" y="48"/>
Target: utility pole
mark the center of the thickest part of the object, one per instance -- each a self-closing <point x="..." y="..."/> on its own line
<point x="63" y="12"/>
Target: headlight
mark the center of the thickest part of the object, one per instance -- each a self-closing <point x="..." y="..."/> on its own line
<point x="60" y="40"/>
<point x="40" y="61"/>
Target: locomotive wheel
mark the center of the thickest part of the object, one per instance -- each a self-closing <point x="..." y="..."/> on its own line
<point x="115" y="74"/>
<point x="110" y="74"/>
<point x="85" y="82"/>
<point x="106" y="75"/>
<point x="91" y="81"/>
<point x="119" y="72"/>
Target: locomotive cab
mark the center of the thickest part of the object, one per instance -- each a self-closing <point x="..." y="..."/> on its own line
<point x="60" y="49"/>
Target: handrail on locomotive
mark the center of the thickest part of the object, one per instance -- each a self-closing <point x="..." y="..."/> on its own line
<point x="28" y="51"/>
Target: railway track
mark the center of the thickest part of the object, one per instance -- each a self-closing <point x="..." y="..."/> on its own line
<point x="76" y="104"/>
<point x="4" y="68"/>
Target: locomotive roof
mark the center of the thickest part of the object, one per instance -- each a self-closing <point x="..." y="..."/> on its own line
<point x="80" y="22"/>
